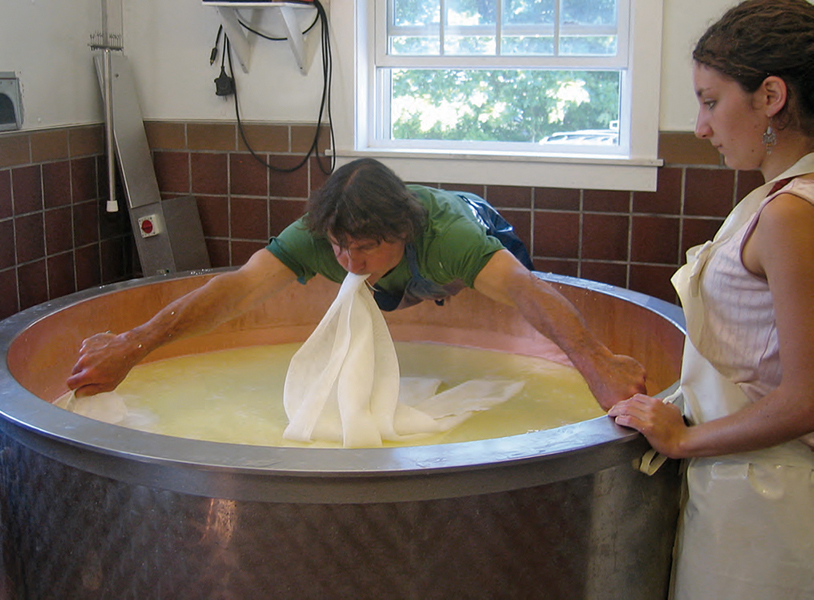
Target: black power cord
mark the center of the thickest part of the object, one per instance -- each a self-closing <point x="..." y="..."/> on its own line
<point x="214" y="54"/>
<point x="226" y="84"/>
<point x="276" y="39"/>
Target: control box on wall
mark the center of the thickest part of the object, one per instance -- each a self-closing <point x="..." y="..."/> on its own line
<point x="11" y="102"/>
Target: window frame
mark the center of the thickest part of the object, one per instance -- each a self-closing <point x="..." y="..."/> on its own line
<point x="633" y="167"/>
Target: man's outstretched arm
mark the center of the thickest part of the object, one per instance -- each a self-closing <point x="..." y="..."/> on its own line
<point x="105" y="359"/>
<point x="611" y="377"/>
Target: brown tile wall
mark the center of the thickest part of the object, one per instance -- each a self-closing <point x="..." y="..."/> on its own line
<point x="241" y="200"/>
<point x="55" y="237"/>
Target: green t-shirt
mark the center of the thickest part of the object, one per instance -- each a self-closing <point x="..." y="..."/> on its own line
<point x="453" y="248"/>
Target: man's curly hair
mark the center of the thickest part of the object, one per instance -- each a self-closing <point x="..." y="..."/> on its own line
<point x="365" y="200"/>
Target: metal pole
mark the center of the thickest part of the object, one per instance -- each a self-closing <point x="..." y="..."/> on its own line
<point x="112" y="204"/>
<point x="107" y="71"/>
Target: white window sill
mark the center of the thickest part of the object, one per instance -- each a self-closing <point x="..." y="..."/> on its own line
<point x="561" y="171"/>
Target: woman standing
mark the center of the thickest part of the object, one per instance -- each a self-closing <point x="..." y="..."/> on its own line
<point x="747" y="380"/>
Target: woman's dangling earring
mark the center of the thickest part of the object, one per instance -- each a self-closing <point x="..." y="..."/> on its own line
<point x="769" y="139"/>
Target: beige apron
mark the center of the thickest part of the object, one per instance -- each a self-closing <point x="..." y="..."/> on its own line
<point x="747" y="529"/>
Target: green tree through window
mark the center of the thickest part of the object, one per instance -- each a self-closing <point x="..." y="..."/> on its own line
<point x="501" y="105"/>
<point x="520" y="91"/>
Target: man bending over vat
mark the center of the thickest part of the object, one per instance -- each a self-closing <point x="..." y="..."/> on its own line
<point x="414" y="242"/>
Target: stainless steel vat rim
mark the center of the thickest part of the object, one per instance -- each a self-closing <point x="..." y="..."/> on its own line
<point x="195" y="466"/>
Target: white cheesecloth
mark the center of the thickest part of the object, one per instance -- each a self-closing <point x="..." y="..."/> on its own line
<point x="343" y="384"/>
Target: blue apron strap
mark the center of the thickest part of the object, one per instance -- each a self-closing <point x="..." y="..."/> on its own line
<point x="418" y="288"/>
<point x="497" y="227"/>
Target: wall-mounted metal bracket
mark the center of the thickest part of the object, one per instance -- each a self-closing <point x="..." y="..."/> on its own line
<point x="303" y="45"/>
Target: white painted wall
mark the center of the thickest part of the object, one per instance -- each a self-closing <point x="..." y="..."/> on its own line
<point x="46" y="44"/>
<point x="684" y="22"/>
<point x="168" y="42"/>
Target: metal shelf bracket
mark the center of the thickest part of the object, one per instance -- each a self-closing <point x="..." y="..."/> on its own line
<point x="303" y="46"/>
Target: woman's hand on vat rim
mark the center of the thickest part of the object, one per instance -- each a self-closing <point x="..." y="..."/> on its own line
<point x="104" y="361"/>
<point x="661" y="423"/>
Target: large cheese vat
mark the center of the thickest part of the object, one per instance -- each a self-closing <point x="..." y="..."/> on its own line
<point x="91" y="510"/>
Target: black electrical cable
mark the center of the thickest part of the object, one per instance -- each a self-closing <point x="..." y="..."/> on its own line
<point x="275" y="39"/>
<point x="224" y="84"/>
<point x="214" y="54"/>
<point x="324" y="107"/>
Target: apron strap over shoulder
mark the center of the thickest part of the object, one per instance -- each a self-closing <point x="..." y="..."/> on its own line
<point x="498" y="227"/>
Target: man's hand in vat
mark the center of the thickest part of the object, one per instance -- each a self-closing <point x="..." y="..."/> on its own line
<point x="614" y="378"/>
<point x="611" y="377"/>
<point x="104" y="361"/>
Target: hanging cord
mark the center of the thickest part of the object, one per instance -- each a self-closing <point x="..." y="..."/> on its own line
<point x="224" y="84"/>
<point x="268" y="37"/>
<point x="324" y="107"/>
<point x="214" y="54"/>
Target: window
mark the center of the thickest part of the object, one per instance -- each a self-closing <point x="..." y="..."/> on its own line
<point x="444" y="86"/>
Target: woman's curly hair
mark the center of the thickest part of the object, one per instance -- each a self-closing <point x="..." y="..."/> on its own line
<point x="760" y="38"/>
